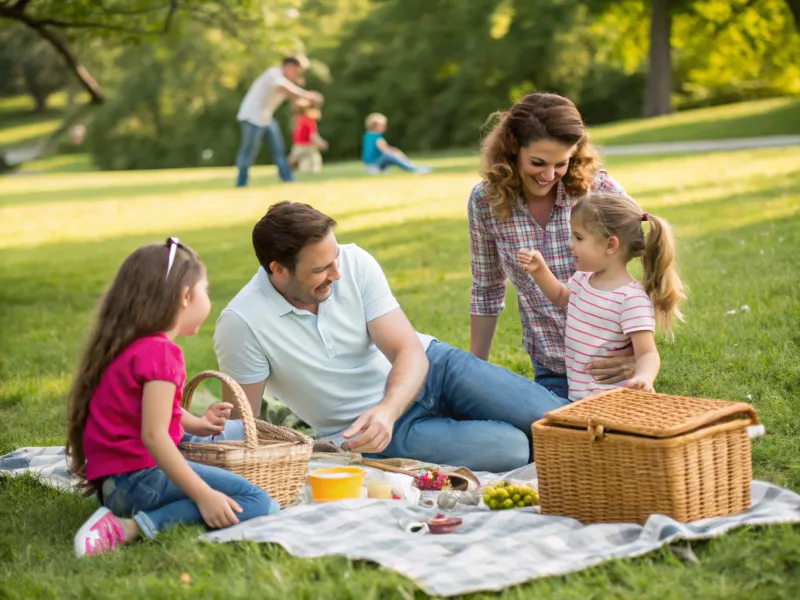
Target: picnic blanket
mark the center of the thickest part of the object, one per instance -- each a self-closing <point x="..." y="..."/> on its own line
<point x="491" y="551"/>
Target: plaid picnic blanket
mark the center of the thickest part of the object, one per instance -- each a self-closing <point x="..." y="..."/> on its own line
<point x="491" y="550"/>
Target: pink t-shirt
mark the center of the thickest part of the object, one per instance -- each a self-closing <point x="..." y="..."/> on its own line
<point x="600" y="321"/>
<point x="112" y="438"/>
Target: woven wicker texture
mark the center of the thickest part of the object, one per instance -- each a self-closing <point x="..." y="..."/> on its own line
<point x="271" y="457"/>
<point x="642" y="413"/>
<point x="596" y="476"/>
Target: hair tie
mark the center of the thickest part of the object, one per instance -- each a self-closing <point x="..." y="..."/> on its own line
<point x="644" y="217"/>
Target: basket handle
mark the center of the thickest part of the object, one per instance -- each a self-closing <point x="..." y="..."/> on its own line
<point x="239" y="400"/>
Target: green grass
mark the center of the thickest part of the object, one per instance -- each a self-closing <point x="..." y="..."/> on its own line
<point x="776" y="116"/>
<point x="737" y="217"/>
<point x="20" y="126"/>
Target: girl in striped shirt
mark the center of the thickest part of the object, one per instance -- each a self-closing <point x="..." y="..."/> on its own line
<point x="607" y="309"/>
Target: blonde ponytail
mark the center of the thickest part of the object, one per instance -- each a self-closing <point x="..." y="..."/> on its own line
<point x="661" y="280"/>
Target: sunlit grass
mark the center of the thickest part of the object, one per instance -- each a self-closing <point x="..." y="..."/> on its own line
<point x="62" y="236"/>
<point x="775" y="116"/>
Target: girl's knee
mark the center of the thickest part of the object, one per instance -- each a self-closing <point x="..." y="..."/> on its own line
<point x="266" y="505"/>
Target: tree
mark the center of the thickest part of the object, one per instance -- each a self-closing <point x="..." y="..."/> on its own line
<point x="658" y="89"/>
<point x="29" y="65"/>
<point x="58" y="22"/>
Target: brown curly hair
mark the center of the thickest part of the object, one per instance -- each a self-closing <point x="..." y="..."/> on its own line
<point x="538" y="116"/>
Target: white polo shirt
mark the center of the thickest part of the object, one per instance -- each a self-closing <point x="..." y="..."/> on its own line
<point x="263" y="98"/>
<point x="324" y="367"/>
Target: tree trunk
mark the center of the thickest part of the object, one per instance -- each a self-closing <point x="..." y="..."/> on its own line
<point x="658" y="88"/>
<point x="794" y="6"/>
<point x="35" y="90"/>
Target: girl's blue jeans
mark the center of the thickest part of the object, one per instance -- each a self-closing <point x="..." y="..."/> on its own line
<point x="154" y="502"/>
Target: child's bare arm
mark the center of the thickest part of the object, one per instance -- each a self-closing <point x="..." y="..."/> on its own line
<point x="648" y="361"/>
<point x="533" y="263"/>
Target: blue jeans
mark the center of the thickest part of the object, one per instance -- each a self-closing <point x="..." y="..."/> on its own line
<point x="251" y="140"/>
<point x="555" y="382"/>
<point x="155" y="502"/>
<point x="470" y="413"/>
<point x="390" y="160"/>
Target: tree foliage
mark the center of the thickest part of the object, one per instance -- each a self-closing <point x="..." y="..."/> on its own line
<point x="175" y="71"/>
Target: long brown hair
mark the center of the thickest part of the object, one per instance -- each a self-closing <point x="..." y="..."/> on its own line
<point x="535" y="117"/>
<point x="141" y="301"/>
<point x="606" y="215"/>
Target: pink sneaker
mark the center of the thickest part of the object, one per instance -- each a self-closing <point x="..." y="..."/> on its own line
<point x="101" y="533"/>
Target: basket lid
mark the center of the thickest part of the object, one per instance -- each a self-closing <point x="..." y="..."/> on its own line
<point x="642" y="413"/>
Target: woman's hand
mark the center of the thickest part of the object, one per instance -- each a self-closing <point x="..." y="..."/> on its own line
<point x="639" y="383"/>
<point x="614" y="367"/>
<point x="213" y="421"/>
<point x="530" y="260"/>
<point x="217" y="509"/>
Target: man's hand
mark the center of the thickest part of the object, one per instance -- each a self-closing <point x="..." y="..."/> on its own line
<point x="530" y="260"/>
<point x="315" y="98"/>
<point x="371" y="432"/>
<point x="213" y="421"/>
<point x="614" y="367"/>
<point x="639" y="383"/>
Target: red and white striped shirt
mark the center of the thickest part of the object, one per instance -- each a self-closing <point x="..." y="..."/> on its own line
<point x="600" y="321"/>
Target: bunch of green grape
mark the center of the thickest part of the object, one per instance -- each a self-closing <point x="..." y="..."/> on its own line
<point x="502" y="496"/>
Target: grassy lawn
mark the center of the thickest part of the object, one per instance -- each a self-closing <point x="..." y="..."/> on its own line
<point x="62" y="236"/>
<point x="775" y="116"/>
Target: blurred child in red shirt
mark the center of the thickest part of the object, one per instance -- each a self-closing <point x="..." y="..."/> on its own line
<point x="307" y="144"/>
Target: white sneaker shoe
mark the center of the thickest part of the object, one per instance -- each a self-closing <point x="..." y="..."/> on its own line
<point x="101" y="533"/>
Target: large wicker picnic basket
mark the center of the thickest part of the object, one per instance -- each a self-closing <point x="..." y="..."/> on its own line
<point x="622" y="455"/>
<point x="270" y="457"/>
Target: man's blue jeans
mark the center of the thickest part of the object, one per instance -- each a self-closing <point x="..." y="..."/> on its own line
<point x="470" y="413"/>
<point x="251" y="141"/>
<point x="155" y="502"/>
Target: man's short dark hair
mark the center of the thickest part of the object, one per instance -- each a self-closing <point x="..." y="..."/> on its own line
<point x="297" y="61"/>
<point x="285" y="230"/>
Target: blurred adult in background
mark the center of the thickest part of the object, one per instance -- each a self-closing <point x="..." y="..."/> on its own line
<point x="537" y="161"/>
<point x="256" y="114"/>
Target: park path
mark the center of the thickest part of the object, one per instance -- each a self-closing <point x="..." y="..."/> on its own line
<point x="773" y="141"/>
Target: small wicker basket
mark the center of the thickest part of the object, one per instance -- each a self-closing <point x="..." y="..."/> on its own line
<point x="622" y="455"/>
<point x="270" y="457"/>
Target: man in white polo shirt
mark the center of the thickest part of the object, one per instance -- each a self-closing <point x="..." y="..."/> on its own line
<point x="257" y="109"/>
<point x="319" y="327"/>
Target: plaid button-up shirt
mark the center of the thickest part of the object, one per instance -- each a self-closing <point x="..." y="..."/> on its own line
<point x="493" y="249"/>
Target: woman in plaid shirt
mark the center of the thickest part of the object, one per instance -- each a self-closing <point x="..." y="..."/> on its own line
<point x="537" y="161"/>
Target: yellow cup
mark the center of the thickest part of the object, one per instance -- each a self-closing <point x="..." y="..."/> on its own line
<point x="336" y="483"/>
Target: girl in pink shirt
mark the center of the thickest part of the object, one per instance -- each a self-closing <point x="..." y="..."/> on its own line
<point x="607" y="309"/>
<point x="124" y="414"/>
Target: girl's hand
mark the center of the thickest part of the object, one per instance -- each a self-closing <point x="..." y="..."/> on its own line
<point x="217" y="509"/>
<point x="639" y="383"/>
<point x="213" y="422"/>
<point x="530" y="260"/>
